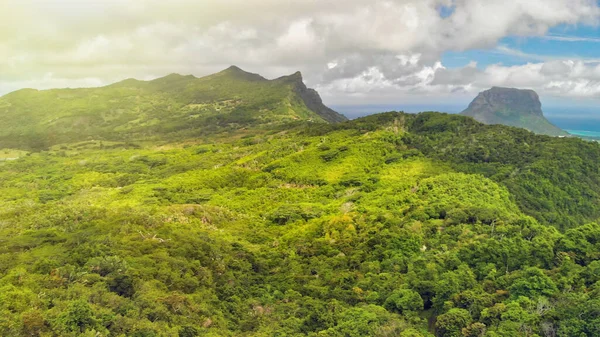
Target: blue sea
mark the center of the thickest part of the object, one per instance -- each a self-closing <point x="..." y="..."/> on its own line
<point x="583" y="133"/>
<point x="578" y="121"/>
<point x="581" y="121"/>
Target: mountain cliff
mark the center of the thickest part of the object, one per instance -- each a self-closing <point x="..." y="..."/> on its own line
<point x="512" y="107"/>
<point x="174" y="107"/>
<point x="311" y="98"/>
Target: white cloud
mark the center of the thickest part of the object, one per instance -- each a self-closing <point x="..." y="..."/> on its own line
<point x="566" y="38"/>
<point x="367" y="49"/>
<point x="564" y="78"/>
<point x="505" y="50"/>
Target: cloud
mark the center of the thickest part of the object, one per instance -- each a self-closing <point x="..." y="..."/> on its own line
<point x="553" y="78"/>
<point x="505" y="50"/>
<point x="566" y="38"/>
<point x="367" y="49"/>
<point x="558" y="78"/>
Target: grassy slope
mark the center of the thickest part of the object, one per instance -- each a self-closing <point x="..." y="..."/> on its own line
<point x="536" y="124"/>
<point x="298" y="231"/>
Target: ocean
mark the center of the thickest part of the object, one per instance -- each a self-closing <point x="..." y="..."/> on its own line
<point x="582" y="122"/>
<point x="578" y="121"/>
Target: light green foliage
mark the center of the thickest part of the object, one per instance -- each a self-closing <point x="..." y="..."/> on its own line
<point x="11" y="154"/>
<point x="391" y="225"/>
<point x="404" y="300"/>
<point x="533" y="284"/>
<point x="452" y="323"/>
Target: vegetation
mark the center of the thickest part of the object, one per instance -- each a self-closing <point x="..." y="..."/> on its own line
<point x="389" y="225"/>
<point x="171" y="108"/>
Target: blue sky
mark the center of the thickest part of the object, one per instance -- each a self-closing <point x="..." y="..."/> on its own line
<point x="562" y="42"/>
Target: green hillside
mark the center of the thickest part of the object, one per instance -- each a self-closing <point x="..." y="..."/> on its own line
<point x="169" y="108"/>
<point x="389" y="225"/>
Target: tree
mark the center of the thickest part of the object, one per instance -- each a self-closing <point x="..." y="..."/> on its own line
<point x="532" y="284"/>
<point x="78" y="317"/>
<point x="403" y="300"/>
<point x="452" y="323"/>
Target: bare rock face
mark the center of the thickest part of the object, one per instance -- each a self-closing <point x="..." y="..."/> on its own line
<point x="498" y="102"/>
<point x="312" y="99"/>
<point x="512" y="107"/>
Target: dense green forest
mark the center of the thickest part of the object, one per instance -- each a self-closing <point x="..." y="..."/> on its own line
<point x="389" y="225"/>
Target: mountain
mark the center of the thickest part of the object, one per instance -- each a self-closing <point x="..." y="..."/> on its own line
<point x="169" y="108"/>
<point x="512" y="107"/>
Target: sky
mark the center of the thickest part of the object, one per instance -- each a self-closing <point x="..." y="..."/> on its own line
<point x="354" y="52"/>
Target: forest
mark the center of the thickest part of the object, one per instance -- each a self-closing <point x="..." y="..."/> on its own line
<point x="412" y="225"/>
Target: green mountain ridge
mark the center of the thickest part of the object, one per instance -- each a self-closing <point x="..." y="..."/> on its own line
<point x="168" y="108"/>
<point x="512" y="107"/>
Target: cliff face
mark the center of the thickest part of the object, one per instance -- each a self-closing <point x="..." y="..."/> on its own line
<point x="513" y="107"/>
<point x="314" y="102"/>
<point x="312" y="99"/>
<point x="502" y="102"/>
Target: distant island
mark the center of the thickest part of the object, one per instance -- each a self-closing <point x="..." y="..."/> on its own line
<point x="512" y="107"/>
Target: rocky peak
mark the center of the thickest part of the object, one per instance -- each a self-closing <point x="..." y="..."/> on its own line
<point x="295" y="78"/>
<point x="518" y="101"/>
<point x="238" y="73"/>
<point x="310" y="97"/>
<point x="513" y="107"/>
